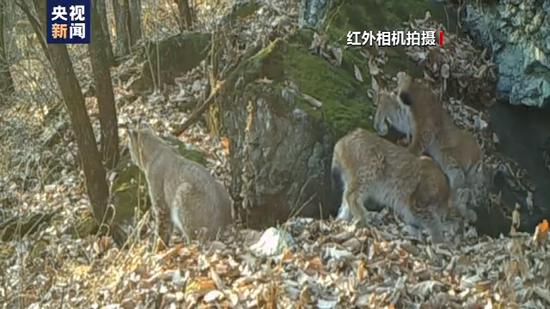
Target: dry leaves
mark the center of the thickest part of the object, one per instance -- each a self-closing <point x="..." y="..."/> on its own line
<point x="541" y="232"/>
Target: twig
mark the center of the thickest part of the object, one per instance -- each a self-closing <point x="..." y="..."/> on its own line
<point x="222" y="85"/>
<point x="198" y="112"/>
<point x="35" y="24"/>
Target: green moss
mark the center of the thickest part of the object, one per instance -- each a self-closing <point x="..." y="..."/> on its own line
<point x="375" y="15"/>
<point x="371" y="15"/>
<point x="345" y="104"/>
<point x="345" y="101"/>
<point x="244" y="10"/>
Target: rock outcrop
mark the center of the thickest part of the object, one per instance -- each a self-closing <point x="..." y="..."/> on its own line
<point x="288" y="104"/>
<point x="172" y="57"/>
<point x="518" y="36"/>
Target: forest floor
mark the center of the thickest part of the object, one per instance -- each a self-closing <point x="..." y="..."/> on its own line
<point x="303" y="263"/>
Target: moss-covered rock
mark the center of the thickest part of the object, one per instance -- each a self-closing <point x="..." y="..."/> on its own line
<point x="281" y="143"/>
<point x="176" y="55"/>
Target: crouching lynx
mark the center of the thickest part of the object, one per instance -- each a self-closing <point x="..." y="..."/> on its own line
<point x="371" y="167"/>
<point x="182" y="192"/>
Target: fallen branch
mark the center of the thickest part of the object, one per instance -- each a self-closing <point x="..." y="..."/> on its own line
<point x="195" y="115"/>
<point x="222" y="85"/>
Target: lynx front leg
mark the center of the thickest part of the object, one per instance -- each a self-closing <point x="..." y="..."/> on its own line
<point x="460" y="193"/>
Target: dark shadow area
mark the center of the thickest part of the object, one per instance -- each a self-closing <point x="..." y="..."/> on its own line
<point x="524" y="135"/>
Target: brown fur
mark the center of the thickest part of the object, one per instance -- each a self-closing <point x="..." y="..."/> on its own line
<point x="389" y="110"/>
<point x="182" y="192"/>
<point x="371" y="167"/>
<point x="434" y="133"/>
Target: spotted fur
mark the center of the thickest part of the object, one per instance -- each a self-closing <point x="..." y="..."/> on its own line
<point x="182" y="192"/>
<point x="371" y="167"/>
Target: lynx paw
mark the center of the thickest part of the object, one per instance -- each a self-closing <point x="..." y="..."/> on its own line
<point x="344" y="213"/>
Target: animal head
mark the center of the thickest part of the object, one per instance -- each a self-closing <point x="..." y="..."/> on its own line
<point x="138" y="140"/>
<point x="390" y="111"/>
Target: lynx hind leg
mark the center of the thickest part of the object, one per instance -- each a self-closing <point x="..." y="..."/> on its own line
<point x="177" y="221"/>
<point x="344" y="212"/>
<point x="162" y="222"/>
<point x="354" y="200"/>
<point x="182" y="195"/>
<point x="463" y="196"/>
<point x="429" y="214"/>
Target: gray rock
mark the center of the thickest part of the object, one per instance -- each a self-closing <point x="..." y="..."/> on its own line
<point x="280" y="163"/>
<point x="518" y="35"/>
<point x="273" y="242"/>
<point x="312" y="12"/>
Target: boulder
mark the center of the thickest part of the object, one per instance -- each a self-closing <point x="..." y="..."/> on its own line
<point x="286" y="107"/>
<point x="518" y="35"/>
<point x="177" y="55"/>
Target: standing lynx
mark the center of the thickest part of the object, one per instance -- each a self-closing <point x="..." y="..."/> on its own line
<point x="371" y="167"/>
<point x="182" y="192"/>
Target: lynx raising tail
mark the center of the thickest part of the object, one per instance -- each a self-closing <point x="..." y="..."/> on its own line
<point x="182" y="192"/>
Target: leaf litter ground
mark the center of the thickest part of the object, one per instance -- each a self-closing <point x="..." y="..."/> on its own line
<point x="322" y="264"/>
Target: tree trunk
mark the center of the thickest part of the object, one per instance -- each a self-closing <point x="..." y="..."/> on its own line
<point x="106" y="31"/>
<point x="89" y="157"/>
<point x="6" y="81"/>
<point x="121" y="10"/>
<point x="135" y="21"/>
<point x="36" y="23"/>
<point x="185" y="19"/>
<point x="98" y="49"/>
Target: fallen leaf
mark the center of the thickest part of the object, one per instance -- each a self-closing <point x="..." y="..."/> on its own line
<point x="373" y="68"/>
<point x="374" y="85"/>
<point x="224" y="141"/>
<point x="357" y="73"/>
<point x="361" y="268"/>
<point x="212" y="296"/>
<point x="314" y="264"/>
<point x="541" y="231"/>
<point x="312" y="101"/>
<point x="200" y="286"/>
<point x="338" y="55"/>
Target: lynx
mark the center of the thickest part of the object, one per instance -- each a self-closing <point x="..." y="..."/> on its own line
<point x="183" y="194"/>
<point x="371" y="167"/>
<point x="418" y="112"/>
<point x="388" y="110"/>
